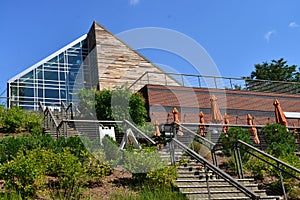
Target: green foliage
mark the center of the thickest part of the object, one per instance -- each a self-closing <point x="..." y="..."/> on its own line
<point x="2" y="114"/>
<point x="13" y="121"/>
<point x="112" y="152"/>
<point x="258" y="168"/>
<point x="233" y="134"/>
<point x="276" y="70"/>
<point x="280" y="141"/>
<point x="25" y="173"/>
<point x="103" y="105"/>
<point x="137" y="109"/>
<point x="33" y="123"/>
<point x="117" y="104"/>
<point x="140" y="162"/>
<point x="16" y="120"/>
<point x="164" y="176"/>
<point x="149" y="192"/>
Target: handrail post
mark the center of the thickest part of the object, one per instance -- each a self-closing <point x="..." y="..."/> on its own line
<point x="199" y="82"/>
<point x="172" y="153"/>
<point x="207" y="181"/>
<point x="282" y="183"/>
<point x="240" y="161"/>
<point x="235" y="154"/>
<point x="214" y="157"/>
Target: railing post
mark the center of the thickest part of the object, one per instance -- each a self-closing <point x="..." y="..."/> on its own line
<point x="215" y="82"/>
<point x="207" y="181"/>
<point x="172" y="153"/>
<point x="214" y="157"/>
<point x="235" y="153"/>
<point x="240" y="162"/>
<point x="199" y="82"/>
<point x="282" y="183"/>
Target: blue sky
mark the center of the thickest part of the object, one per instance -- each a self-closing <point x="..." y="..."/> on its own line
<point x="236" y="34"/>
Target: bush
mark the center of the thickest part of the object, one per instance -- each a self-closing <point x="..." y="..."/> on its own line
<point x="280" y="141"/>
<point x="234" y="134"/>
<point x="13" y="121"/>
<point x="112" y="152"/>
<point x="25" y="173"/>
<point x="163" y="177"/>
<point x="2" y="114"/>
<point x="33" y="123"/>
<point x="140" y="162"/>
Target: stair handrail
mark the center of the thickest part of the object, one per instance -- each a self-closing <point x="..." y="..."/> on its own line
<point x="279" y="163"/>
<point x="211" y="145"/>
<point x="67" y="108"/>
<point x="139" y="131"/>
<point x="271" y="157"/>
<point x="215" y="169"/>
<point x="48" y="113"/>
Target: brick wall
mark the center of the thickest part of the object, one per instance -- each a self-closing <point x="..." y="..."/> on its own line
<point x="237" y="104"/>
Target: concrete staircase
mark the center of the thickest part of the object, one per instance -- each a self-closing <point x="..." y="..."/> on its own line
<point x="192" y="182"/>
<point x="192" y="179"/>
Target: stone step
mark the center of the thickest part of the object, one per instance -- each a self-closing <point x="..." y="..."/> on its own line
<point x="194" y="197"/>
<point x="214" y="181"/>
<point x="253" y="187"/>
<point x="215" y="194"/>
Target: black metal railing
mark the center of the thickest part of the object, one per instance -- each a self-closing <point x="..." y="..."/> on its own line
<point x="282" y="167"/>
<point x="215" y="82"/>
<point x="210" y="167"/>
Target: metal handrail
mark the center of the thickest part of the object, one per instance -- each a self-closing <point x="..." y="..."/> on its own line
<point x="139" y="131"/>
<point x="216" y="170"/>
<point x="279" y="163"/>
<point x="197" y="135"/>
<point x="270" y="157"/>
<point x="211" y="145"/>
<point x="244" y="83"/>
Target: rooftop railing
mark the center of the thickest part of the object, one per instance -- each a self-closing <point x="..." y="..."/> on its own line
<point x="215" y="82"/>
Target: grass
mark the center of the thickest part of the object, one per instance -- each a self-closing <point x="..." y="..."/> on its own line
<point x="149" y="193"/>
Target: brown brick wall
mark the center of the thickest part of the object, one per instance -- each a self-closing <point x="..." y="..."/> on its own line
<point x="190" y="101"/>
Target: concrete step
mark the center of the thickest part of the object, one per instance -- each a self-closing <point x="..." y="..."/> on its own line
<point x="215" y="194"/>
<point x="194" y="197"/>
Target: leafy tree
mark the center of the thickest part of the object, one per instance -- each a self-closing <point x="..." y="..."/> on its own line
<point x="117" y="104"/>
<point x="276" y="70"/>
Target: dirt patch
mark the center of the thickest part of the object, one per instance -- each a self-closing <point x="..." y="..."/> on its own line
<point x="117" y="182"/>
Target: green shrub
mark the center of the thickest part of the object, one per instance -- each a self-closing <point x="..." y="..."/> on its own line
<point x="140" y="162"/>
<point x="33" y="123"/>
<point x="13" y="121"/>
<point x="25" y="173"/>
<point x="2" y="114"/>
<point x="112" y="152"/>
<point x="163" y="177"/>
<point x="280" y="141"/>
<point x="233" y="134"/>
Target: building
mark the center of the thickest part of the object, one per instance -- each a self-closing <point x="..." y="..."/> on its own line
<point x="95" y="60"/>
<point x="101" y="60"/>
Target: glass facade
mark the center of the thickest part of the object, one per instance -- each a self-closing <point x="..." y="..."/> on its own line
<point x="53" y="80"/>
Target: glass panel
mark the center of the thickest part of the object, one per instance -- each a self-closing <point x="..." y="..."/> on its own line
<point x="51" y="93"/>
<point x="50" y="75"/>
<point x="29" y="92"/>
